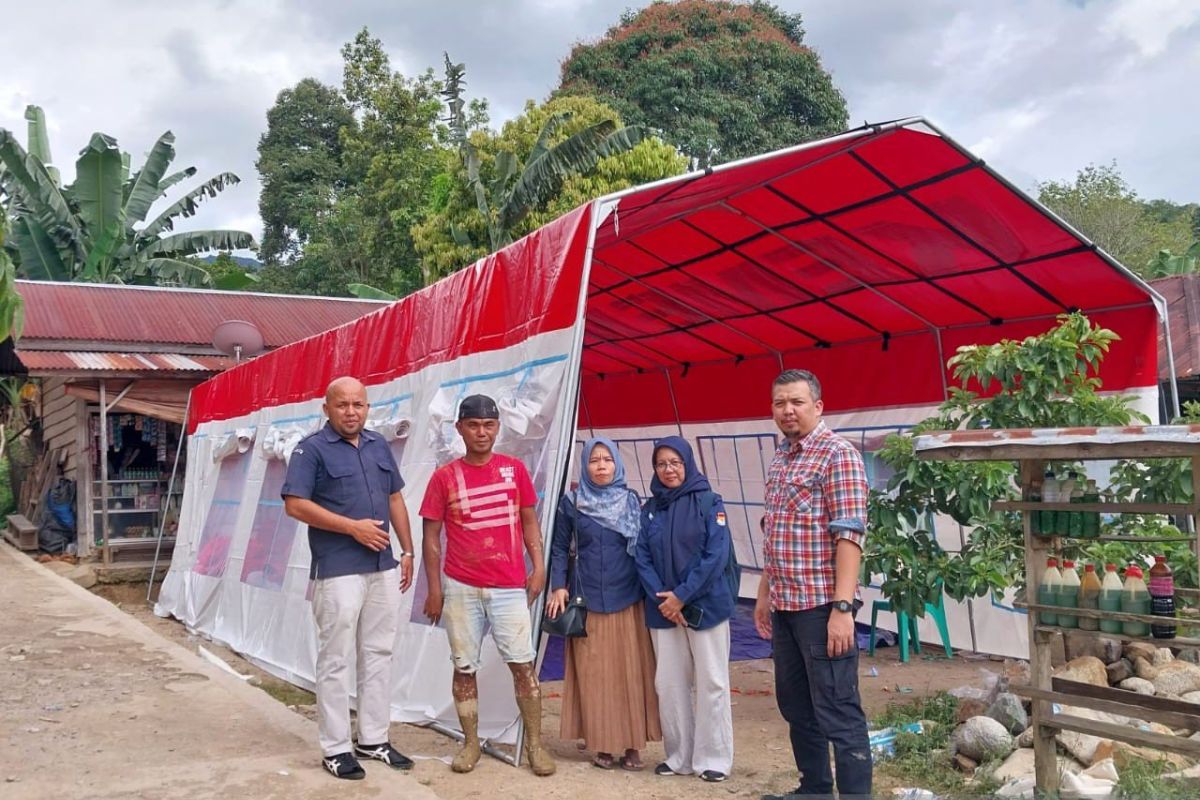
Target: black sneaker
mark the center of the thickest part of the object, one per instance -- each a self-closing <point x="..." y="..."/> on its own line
<point x="385" y="753"/>
<point x="712" y="776"/>
<point x="663" y="769"/>
<point x="344" y="766"/>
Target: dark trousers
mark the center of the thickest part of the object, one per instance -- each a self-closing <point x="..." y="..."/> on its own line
<point x="818" y="696"/>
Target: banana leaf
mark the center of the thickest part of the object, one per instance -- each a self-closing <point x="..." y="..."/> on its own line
<point x="186" y="205"/>
<point x="146" y="185"/>
<point x="365" y="292"/>
<point x="192" y="242"/>
<point x="98" y="184"/>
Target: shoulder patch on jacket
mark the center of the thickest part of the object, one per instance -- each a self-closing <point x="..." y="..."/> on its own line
<point x="720" y="517"/>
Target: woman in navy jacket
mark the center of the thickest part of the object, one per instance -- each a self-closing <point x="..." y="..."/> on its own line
<point x="608" y="690"/>
<point x="683" y="552"/>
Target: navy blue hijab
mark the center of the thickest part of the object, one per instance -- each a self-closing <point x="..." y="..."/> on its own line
<point x="685" y="526"/>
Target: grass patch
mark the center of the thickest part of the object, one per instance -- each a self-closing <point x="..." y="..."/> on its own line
<point x="288" y="694"/>
<point x="1142" y="780"/>
<point x="921" y="759"/>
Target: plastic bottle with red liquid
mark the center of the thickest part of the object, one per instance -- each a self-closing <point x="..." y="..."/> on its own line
<point x="1162" y="597"/>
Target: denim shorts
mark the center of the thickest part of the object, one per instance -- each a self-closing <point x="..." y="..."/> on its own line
<point x="468" y="610"/>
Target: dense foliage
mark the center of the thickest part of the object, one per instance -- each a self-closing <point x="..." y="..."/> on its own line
<point x="721" y="80"/>
<point x="95" y="229"/>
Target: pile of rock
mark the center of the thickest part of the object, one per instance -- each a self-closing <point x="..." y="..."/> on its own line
<point x="997" y="726"/>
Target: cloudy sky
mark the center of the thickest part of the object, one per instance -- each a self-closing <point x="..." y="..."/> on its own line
<point x="1039" y="88"/>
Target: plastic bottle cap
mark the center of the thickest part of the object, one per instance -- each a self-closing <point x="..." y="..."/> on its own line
<point x="1160" y="559"/>
<point x="1069" y="564"/>
<point x="1089" y="567"/>
<point x="1111" y="567"/>
<point x="1051" y="562"/>
<point x="1134" y="571"/>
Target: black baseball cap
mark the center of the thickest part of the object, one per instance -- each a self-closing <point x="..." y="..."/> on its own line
<point x="478" y="406"/>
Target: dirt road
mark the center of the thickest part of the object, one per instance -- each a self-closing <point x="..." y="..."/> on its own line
<point x="93" y="704"/>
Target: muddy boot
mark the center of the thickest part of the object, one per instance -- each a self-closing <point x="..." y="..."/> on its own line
<point x="468" y="716"/>
<point x="541" y="763"/>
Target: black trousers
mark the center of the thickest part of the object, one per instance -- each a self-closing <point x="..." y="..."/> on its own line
<point x="818" y="696"/>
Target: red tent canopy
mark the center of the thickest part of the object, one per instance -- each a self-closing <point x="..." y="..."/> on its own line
<point x="868" y="258"/>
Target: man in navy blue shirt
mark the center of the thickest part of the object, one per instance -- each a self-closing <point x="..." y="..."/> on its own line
<point x="343" y="483"/>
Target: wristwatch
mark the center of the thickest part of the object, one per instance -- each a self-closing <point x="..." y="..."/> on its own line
<point x="408" y="555"/>
<point x="842" y="605"/>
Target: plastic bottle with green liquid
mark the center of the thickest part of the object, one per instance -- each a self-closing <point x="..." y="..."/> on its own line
<point x="1091" y="519"/>
<point x="1110" y="598"/>
<point x="1047" y="522"/>
<point x="1068" y="595"/>
<point x="1135" y="599"/>
<point x="1062" y="518"/>
<point x="1077" y="516"/>
<point x="1089" y="597"/>
<point x="1048" y="591"/>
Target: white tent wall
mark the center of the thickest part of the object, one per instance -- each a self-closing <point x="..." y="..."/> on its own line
<point x="210" y="588"/>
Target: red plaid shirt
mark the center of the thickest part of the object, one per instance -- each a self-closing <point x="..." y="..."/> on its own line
<point x="816" y="494"/>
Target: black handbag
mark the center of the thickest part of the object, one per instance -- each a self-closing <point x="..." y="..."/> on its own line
<point x="572" y="621"/>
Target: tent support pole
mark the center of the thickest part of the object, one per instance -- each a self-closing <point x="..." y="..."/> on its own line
<point x="486" y="746"/>
<point x="565" y="437"/>
<point x="1165" y="321"/>
<point x="674" y="404"/>
<point x="162" y="523"/>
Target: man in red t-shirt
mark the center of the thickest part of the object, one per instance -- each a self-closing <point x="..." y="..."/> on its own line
<point x="486" y="502"/>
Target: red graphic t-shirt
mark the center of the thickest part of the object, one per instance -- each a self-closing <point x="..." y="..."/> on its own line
<point x="481" y="509"/>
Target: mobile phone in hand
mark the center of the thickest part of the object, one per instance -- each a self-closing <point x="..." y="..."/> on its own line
<point x="692" y="616"/>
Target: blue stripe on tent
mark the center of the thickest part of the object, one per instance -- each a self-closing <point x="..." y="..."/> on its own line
<point x="540" y="362"/>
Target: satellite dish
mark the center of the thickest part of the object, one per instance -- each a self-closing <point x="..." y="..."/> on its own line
<point x="237" y="338"/>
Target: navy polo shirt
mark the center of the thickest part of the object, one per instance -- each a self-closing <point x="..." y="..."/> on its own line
<point x="356" y="482"/>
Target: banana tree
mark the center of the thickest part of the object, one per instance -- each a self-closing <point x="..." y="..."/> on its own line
<point x="513" y="190"/>
<point x="95" y="229"/>
<point x="1165" y="263"/>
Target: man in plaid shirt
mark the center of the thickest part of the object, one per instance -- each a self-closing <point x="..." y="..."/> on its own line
<point x="815" y="524"/>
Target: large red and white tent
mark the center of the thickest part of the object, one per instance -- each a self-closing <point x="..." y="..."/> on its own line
<point x="867" y="258"/>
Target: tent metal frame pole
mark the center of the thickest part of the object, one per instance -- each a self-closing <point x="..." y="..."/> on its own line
<point x="106" y="549"/>
<point x="674" y="403"/>
<point x="162" y="523"/>
<point x="857" y="133"/>
<point x="565" y="437"/>
<point x="486" y="746"/>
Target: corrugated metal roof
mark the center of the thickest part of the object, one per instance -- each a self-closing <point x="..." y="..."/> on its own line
<point x="1049" y="437"/>
<point x="61" y="360"/>
<point x="89" y="312"/>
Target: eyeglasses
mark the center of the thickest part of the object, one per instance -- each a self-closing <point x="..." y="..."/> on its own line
<point x="663" y="466"/>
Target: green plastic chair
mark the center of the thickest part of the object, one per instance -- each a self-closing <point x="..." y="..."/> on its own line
<point x="908" y="625"/>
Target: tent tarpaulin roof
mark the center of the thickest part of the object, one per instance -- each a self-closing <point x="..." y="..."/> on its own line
<point x="867" y="257"/>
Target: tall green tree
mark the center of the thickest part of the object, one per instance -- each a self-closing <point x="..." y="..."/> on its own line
<point x="542" y="164"/>
<point x="1102" y="205"/>
<point x="374" y="166"/>
<point x="300" y="166"/>
<point x="96" y="228"/>
<point x="721" y="80"/>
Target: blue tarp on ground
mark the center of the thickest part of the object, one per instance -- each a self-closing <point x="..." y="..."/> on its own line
<point x="745" y="643"/>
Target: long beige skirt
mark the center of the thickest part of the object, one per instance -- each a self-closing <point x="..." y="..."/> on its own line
<point x="608" y="684"/>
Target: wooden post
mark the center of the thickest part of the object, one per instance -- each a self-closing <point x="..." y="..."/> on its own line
<point x="106" y="548"/>
<point x="1045" y="758"/>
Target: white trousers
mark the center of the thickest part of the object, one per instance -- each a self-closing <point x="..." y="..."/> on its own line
<point x="356" y="624"/>
<point x="692" y="681"/>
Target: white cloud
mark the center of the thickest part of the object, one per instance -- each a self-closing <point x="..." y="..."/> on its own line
<point x="1040" y="87"/>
